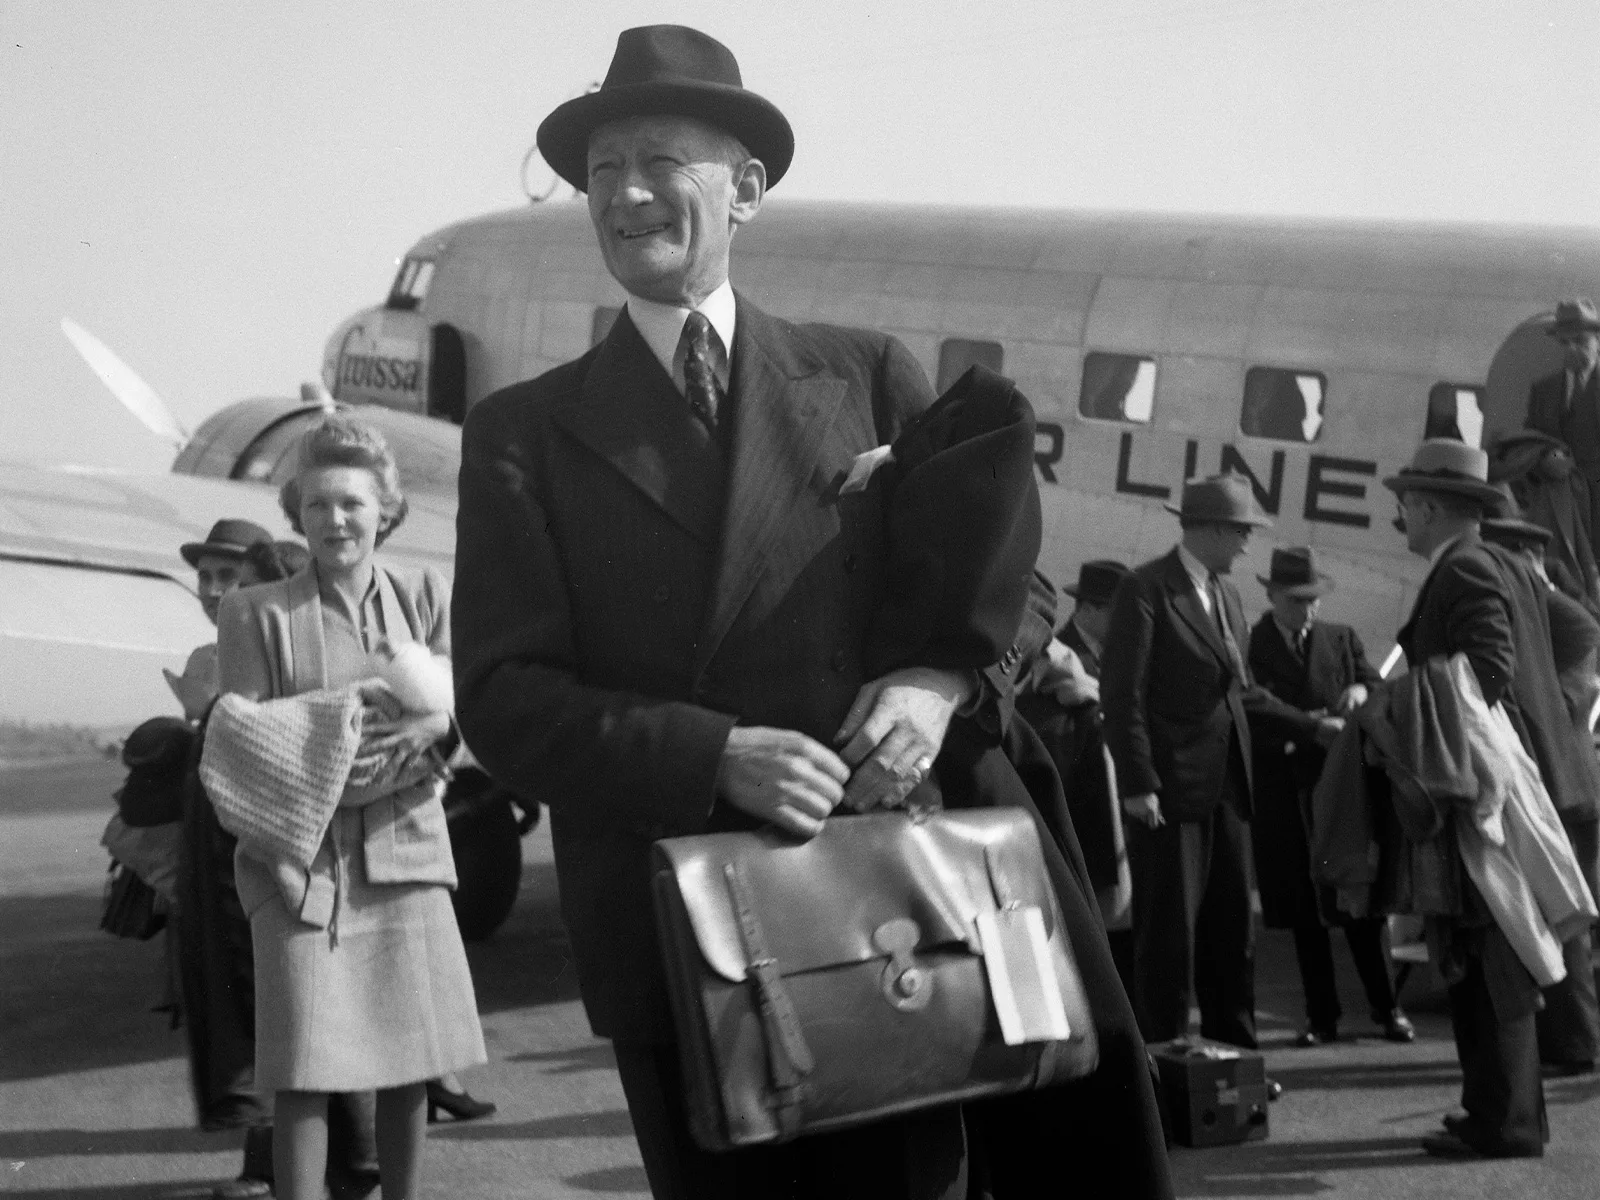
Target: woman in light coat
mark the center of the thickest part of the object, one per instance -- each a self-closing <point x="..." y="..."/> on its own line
<point x="361" y="979"/>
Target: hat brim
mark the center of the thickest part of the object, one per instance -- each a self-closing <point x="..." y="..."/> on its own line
<point x="1256" y="520"/>
<point x="193" y="552"/>
<point x="564" y="135"/>
<point x="1471" y="488"/>
<point x="1525" y="531"/>
<point x="1321" y="586"/>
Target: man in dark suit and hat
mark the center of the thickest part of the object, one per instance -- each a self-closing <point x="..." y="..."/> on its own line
<point x="1175" y="690"/>
<point x="662" y="596"/>
<point x="1488" y="605"/>
<point x="1569" y="1024"/>
<point x="1566" y="403"/>
<point x="1321" y="668"/>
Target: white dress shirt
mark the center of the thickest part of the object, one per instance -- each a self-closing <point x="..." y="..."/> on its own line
<point x="661" y="326"/>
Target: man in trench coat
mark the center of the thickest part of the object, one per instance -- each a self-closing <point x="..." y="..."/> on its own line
<point x="662" y="594"/>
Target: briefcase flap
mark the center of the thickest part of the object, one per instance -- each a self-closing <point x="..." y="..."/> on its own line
<point x="940" y="874"/>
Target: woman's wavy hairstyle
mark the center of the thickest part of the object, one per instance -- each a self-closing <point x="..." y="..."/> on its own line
<point x="347" y="442"/>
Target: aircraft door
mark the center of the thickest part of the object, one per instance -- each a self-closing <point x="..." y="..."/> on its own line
<point x="447" y="374"/>
<point x="1528" y="354"/>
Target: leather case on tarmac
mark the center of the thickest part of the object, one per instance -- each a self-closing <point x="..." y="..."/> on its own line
<point x="829" y="983"/>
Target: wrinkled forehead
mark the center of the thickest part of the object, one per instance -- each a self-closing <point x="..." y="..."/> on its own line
<point x="686" y="136"/>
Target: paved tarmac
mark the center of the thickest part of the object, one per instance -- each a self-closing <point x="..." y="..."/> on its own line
<point x="94" y="1099"/>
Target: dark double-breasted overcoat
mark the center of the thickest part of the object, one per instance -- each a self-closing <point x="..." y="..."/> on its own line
<point x="626" y="593"/>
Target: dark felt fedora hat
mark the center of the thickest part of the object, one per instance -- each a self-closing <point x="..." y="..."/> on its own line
<point x="1576" y="315"/>
<point x="1505" y="523"/>
<point x="1097" y="581"/>
<point x="1223" y="499"/>
<point x="1294" y="570"/>
<point x="1446" y="465"/>
<point x="667" y="70"/>
<point x="228" y="537"/>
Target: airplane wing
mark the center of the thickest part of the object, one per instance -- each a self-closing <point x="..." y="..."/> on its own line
<point x="95" y="598"/>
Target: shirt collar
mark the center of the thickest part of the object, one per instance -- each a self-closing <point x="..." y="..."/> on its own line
<point x="661" y="326"/>
<point x="1440" y="550"/>
<point x="1290" y="636"/>
<point x="1199" y="574"/>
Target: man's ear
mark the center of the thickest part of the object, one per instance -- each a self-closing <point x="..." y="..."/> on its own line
<point x="749" y="186"/>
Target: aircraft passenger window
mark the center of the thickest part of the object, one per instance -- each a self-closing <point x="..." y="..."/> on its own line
<point x="1117" y="387"/>
<point x="1455" y="411"/>
<point x="1282" y="404"/>
<point x="410" y="285"/>
<point x="957" y="354"/>
<point x="604" y="318"/>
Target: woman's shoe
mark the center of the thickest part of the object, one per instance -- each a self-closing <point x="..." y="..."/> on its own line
<point x="459" y="1105"/>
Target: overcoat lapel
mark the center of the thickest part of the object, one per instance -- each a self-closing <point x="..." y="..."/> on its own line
<point x="305" y="663"/>
<point x="1186" y="603"/>
<point x="630" y="413"/>
<point x="784" y="408"/>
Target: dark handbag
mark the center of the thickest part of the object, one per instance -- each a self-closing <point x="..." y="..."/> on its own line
<point x="132" y="908"/>
<point x="829" y="983"/>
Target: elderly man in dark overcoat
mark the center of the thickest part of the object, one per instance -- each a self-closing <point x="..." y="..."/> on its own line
<point x="662" y="599"/>
<point x="1568" y="1026"/>
<point x="1566" y="403"/>
<point x="1483" y="602"/>
<point x="1175" y="690"/>
<point x="1319" y="667"/>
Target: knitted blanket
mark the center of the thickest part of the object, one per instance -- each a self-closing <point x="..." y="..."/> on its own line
<point x="275" y="769"/>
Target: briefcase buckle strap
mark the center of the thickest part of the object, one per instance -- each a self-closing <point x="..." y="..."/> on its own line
<point x="788" y="1057"/>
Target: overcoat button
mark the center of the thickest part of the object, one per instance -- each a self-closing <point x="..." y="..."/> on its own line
<point x="661" y="594"/>
<point x="839" y="660"/>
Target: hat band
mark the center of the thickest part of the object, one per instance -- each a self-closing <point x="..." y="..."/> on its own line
<point x="1446" y="473"/>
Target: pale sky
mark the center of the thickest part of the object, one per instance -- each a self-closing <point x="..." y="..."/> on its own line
<point x="210" y="187"/>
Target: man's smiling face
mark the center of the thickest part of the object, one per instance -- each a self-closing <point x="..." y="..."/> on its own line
<point x="665" y="194"/>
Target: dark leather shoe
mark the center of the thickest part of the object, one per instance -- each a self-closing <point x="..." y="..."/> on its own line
<point x="1274" y="1089"/>
<point x="1456" y="1142"/>
<point x="241" y="1189"/>
<point x="1449" y="1145"/>
<point x="1316" y="1035"/>
<point x="1397" y="1027"/>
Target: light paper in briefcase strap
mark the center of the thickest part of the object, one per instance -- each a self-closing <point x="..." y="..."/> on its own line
<point x="1022" y="977"/>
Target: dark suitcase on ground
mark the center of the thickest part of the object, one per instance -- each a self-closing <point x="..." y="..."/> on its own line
<point x="1215" y="1094"/>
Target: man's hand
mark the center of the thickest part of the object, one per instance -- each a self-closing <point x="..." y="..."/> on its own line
<point x="782" y="777"/>
<point x="1328" y="729"/>
<point x="1352" y="698"/>
<point x="1145" y="809"/>
<point x="900" y="722"/>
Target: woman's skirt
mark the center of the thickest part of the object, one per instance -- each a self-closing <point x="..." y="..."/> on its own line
<point x="387" y="1001"/>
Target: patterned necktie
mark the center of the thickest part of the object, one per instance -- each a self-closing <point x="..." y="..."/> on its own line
<point x="1220" y="615"/>
<point x="700" y="385"/>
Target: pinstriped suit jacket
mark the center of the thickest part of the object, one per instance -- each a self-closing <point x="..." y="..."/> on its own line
<point x="621" y="599"/>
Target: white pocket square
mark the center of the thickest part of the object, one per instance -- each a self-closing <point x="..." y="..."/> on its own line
<point x="862" y="468"/>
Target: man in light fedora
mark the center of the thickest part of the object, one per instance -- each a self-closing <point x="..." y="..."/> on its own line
<point x="661" y="599"/>
<point x="1176" y="691"/>
<point x="1488" y="604"/>
<point x="1566" y="403"/>
<point x="1321" y="668"/>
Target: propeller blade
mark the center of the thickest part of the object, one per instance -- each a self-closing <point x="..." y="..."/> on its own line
<point x="137" y="396"/>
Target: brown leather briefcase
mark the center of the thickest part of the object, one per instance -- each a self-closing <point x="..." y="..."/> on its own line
<point x="823" y="984"/>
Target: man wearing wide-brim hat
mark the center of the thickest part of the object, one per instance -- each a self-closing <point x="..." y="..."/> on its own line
<point x="1488" y="604"/>
<point x="1566" y="404"/>
<point x="661" y="595"/>
<point x="1319" y="667"/>
<point x="1177" y="697"/>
